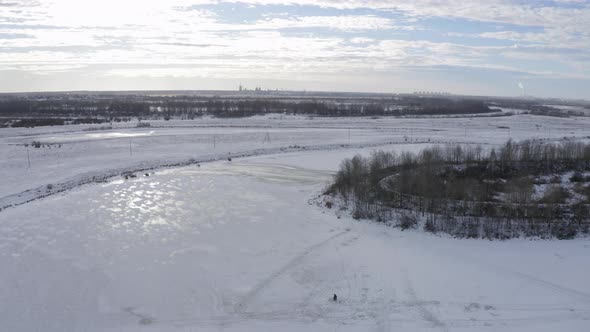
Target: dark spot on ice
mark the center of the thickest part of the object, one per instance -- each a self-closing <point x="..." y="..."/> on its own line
<point x="472" y="306"/>
<point x="145" y="321"/>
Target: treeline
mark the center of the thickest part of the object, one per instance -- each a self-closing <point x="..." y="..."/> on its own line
<point x="71" y="108"/>
<point x="39" y="122"/>
<point x="455" y="181"/>
<point x="184" y="107"/>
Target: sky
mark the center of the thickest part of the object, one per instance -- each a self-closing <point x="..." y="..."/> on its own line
<point x="491" y="47"/>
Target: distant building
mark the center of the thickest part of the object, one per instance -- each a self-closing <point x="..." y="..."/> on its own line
<point x="431" y="93"/>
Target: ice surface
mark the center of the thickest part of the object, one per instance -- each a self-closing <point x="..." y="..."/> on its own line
<point x="76" y="155"/>
<point x="235" y="246"/>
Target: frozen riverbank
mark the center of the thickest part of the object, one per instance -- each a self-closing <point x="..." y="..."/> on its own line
<point x="235" y="246"/>
<point x="71" y="155"/>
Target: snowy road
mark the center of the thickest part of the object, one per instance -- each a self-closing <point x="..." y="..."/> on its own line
<point x="236" y="247"/>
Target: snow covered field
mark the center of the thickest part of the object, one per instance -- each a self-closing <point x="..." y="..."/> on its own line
<point x="236" y="246"/>
<point x="75" y="154"/>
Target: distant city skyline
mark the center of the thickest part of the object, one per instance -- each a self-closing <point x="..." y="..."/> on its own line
<point x="495" y="47"/>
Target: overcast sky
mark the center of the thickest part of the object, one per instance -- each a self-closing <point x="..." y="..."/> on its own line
<point x="492" y="47"/>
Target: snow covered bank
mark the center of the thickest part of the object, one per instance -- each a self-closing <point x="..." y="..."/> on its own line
<point x="235" y="246"/>
<point x="104" y="175"/>
<point x="71" y="154"/>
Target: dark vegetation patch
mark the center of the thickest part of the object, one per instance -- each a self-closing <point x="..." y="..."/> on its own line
<point x="59" y="109"/>
<point x="43" y="109"/>
<point x="521" y="189"/>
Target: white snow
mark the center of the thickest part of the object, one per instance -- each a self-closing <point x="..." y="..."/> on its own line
<point x="510" y="110"/>
<point x="84" y="155"/>
<point x="578" y="109"/>
<point x="236" y="246"/>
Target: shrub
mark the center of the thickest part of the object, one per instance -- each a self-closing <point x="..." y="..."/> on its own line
<point x="429" y="226"/>
<point x="356" y="215"/>
<point x="407" y="221"/>
<point x="577" y="177"/>
<point x="555" y="195"/>
<point x="565" y="231"/>
<point x="582" y="189"/>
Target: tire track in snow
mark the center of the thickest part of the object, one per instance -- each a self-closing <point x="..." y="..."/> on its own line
<point x="242" y="305"/>
<point x="582" y="296"/>
<point x="424" y="312"/>
<point x="585" y="297"/>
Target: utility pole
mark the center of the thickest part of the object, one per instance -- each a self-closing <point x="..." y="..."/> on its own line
<point x="350" y="116"/>
<point x="130" y="150"/>
<point x="28" y="157"/>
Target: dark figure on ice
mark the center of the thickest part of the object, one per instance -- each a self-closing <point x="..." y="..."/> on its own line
<point x="335" y="298"/>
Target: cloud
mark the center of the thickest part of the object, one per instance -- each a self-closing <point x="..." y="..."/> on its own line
<point x="345" y="23"/>
<point x="282" y="39"/>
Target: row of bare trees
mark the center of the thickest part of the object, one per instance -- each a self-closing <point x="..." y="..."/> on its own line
<point x="61" y="106"/>
<point x="470" y="182"/>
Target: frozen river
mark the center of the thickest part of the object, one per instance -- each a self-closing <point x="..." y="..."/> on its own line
<point x="71" y="154"/>
<point x="236" y="246"/>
